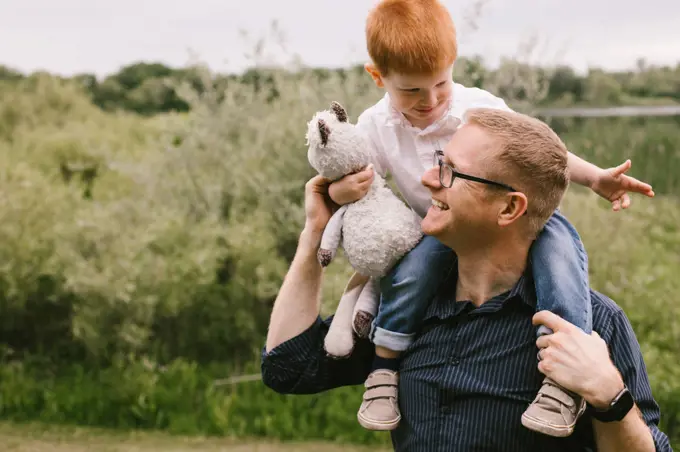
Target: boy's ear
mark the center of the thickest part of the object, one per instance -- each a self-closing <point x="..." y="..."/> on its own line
<point x="375" y="74"/>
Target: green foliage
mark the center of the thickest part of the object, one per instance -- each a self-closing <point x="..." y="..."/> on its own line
<point x="634" y="258"/>
<point x="164" y="239"/>
<point x="650" y="143"/>
<point x="152" y="88"/>
<point x="180" y="398"/>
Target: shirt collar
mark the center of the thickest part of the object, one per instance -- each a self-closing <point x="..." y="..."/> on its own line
<point x="444" y="305"/>
<point x="445" y="125"/>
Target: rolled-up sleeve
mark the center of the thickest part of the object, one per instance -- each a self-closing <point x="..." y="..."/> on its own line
<point x="627" y="357"/>
<point x="301" y="366"/>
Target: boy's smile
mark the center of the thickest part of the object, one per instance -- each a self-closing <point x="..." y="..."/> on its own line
<point x="422" y="98"/>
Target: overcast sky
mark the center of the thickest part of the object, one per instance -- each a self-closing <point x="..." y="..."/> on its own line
<point x="99" y="36"/>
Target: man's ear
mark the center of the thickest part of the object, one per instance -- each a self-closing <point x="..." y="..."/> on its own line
<point x="375" y="74"/>
<point x="514" y="206"/>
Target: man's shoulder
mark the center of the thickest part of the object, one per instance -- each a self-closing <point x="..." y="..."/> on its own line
<point x="608" y="316"/>
<point x="467" y="97"/>
<point x="603" y="305"/>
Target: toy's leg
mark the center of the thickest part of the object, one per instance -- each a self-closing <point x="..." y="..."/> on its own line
<point x="332" y="235"/>
<point x="366" y="308"/>
<point x="339" y="341"/>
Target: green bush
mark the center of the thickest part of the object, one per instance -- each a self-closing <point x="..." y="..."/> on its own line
<point x="180" y="398"/>
<point x="650" y="143"/>
<point x="166" y="239"/>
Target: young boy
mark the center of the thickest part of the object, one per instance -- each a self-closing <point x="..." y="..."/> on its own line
<point x="412" y="45"/>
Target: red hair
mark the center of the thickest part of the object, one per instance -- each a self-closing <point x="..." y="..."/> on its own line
<point x="411" y="36"/>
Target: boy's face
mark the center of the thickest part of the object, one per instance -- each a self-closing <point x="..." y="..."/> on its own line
<point x="422" y="99"/>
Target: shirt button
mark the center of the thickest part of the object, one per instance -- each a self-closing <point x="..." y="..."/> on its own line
<point x="454" y="361"/>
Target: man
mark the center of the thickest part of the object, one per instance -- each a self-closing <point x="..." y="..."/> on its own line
<point x="470" y="374"/>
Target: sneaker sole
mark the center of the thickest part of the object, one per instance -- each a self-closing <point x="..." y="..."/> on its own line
<point x="558" y="431"/>
<point x="378" y="426"/>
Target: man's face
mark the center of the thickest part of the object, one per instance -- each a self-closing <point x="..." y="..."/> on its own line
<point x="422" y="99"/>
<point x="466" y="213"/>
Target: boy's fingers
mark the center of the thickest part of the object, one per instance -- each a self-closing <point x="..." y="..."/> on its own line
<point x="364" y="176"/>
<point x="625" y="201"/>
<point x="637" y="185"/>
<point x="622" y="168"/>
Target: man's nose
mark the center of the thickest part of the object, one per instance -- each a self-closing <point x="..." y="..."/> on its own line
<point x="430" y="178"/>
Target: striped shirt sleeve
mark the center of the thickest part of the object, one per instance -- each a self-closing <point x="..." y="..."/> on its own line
<point x="301" y="366"/>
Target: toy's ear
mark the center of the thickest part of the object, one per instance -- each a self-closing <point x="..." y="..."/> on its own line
<point x="339" y="112"/>
<point x="324" y="131"/>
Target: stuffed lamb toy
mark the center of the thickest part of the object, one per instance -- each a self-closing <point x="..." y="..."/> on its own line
<point x="375" y="231"/>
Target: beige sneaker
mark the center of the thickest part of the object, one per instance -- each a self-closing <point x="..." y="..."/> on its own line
<point x="380" y="410"/>
<point x="554" y="411"/>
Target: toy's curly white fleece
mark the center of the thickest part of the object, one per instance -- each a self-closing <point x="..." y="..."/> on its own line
<point x="345" y="152"/>
<point x="378" y="229"/>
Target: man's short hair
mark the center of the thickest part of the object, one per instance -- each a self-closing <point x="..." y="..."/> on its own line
<point x="411" y="37"/>
<point x="530" y="157"/>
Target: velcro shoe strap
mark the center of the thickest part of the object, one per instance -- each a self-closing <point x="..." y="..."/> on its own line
<point x="381" y="378"/>
<point x="558" y="394"/>
<point x="381" y="392"/>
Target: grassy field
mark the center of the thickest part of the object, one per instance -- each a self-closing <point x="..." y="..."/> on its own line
<point x="43" y="438"/>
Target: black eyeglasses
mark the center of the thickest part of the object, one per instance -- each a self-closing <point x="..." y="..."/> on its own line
<point x="447" y="174"/>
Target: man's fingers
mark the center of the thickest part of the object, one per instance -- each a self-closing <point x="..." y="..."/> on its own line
<point x="543" y="341"/>
<point x="318" y="184"/>
<point x="552" y="321"/>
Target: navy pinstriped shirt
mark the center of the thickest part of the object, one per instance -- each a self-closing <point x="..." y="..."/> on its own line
<point x="469" y="375"/>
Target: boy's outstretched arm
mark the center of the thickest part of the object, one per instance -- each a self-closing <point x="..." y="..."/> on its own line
<point x="611" y="183"/>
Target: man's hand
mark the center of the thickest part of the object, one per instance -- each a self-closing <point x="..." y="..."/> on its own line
<point x="352" y="187"/>
<point x="577" y="361"/>
<point x="318" y="206"/>
<point x="613" y="185"/>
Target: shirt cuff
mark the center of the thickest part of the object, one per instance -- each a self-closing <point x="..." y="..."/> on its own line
<point x="285" y="364"/>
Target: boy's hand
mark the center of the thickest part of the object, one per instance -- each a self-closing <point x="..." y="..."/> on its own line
<point x="613" y="185"/>
<point x="352" y="187"/>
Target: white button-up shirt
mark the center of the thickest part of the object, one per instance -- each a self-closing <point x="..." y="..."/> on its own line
<point x="406" y="152"/>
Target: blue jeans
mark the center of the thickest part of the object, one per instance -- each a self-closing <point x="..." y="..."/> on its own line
<point x="559" y="265"/>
